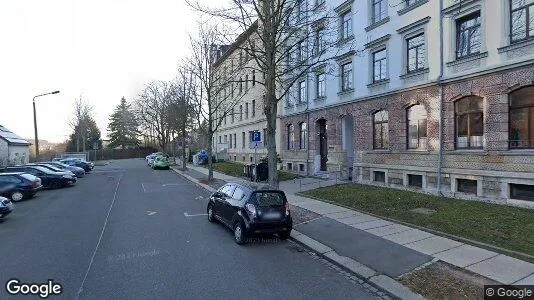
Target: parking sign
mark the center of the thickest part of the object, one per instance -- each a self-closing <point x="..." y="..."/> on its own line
<point x="256" y="136"/>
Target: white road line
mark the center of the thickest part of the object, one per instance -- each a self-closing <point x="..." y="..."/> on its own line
<point x="99" y="239"/>
<point x="194" y="215"/>
<point x="143" y="185"/>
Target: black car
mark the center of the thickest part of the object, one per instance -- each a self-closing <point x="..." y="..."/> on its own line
<point x="250" y="210"/>
<point x="79" y="172"/>
<point x="86" y="166"/>
<point x="48" y="178"/>
<point x="18" y="186"/>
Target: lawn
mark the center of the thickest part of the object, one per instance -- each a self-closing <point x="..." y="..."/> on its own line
<point x="503" y="226"/>
<point x="236" y="170"/>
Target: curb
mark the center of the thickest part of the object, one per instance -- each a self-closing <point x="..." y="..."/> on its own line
<point x="385" y="283"/>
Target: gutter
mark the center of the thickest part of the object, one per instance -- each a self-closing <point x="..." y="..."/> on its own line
<point x="440" y="97"/>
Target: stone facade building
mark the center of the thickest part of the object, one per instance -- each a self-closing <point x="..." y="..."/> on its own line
<point x="441" y="100"/>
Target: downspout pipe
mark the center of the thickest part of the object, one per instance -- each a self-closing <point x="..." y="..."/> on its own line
<point x="440" y="97"/>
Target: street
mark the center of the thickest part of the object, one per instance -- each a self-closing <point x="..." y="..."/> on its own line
<point x="128" y="232"/>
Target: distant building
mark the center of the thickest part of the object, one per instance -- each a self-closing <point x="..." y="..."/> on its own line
<point x="14" y="150"/>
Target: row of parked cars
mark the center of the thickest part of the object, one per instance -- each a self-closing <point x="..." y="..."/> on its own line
<point x="158" y="160"/>
<point x="23" y="182"/>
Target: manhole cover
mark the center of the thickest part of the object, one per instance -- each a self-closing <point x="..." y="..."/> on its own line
<point x="423" y="210"/>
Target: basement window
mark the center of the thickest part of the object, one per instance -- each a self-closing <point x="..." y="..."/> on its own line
<point x="467" y="186"/>
<point x="379" y="176"/>
<point x="415" y="180"/>
<point x="522" y="191"/>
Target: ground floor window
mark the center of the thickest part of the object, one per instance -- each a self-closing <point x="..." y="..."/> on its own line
<point x="522" y="191"/>
<point x="467" y="186"/>
<point x="415" y="180"/>
<point x="301" y="167"/>
<point x="235" y="157"/>
<point x="289" y="166"/>
<point x="379" y="176"/>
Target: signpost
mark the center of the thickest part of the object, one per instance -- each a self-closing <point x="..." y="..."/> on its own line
<point x="255" y="144"/>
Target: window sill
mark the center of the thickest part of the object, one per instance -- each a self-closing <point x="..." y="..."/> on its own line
<point x="320" y="99"/>
<point x="346" y="92"/>
<point x="300" y="104"/>
<point x="411" y="7"/>
<point x="377" y="24"/>
<point x="343" y="41"/>
<point x="516" y="45"/>
<point x="414" y="73"/>
<point x="382" y="150"/>
<point x="418" y="150"/>
<point x="467" y="58"/>
<point x="378" y="83"/>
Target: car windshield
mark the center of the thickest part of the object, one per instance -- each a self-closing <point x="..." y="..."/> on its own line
<point x="52" y="167"/>
<point x="266" y="199"/>
<point x="42" y="169"/>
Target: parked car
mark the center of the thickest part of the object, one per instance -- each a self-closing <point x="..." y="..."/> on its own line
<point x="151" y="157"/>
<point x="160" y="162"/>
<point x="251" y="210"/>
<point x="6" y="207"/>
<point x="78" y="163"/>
<point x="52" y="168"/>
<point x="79" y="172"/>
<point x="49" y="179"/>
<point x="18" y="186"/>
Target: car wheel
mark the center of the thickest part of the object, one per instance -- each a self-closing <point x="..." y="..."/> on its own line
<point x="284" y="235"/>
<point x="16" y="196"/>
<point x="211" y="218"/>
<point x="239" y="233"/>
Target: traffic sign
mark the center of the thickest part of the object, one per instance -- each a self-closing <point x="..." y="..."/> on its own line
<point x="256" y="145"/>
<point x="256" y="136"/>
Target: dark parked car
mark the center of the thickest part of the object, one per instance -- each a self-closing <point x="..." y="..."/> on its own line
<point x="79" y="172"/>
<point x="250" y="210"/>
<point x="48" y="178"/>
<point x="87" y="166"/>
<point x="6" y="207"/>
<point x="19" y="186"/>
<point x="52" y="168"/>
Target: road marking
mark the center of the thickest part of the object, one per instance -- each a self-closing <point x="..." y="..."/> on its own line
<point x="143" y="185"/>
<point x="174" y="184"/>
<point x="132" y="255"/>
<point x="151" y="213"/>
<point x="100" y="238"/>
<point x="194" y="215"/>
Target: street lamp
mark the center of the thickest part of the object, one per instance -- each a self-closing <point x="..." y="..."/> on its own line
<point x="35" y="124"/>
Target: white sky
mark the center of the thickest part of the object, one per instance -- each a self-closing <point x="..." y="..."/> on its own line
<point x="101" y="49"/>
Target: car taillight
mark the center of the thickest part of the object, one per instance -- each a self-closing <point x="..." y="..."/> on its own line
<point x="33" y="184"/>
<point x="251" y="209"/>
<point x="287" y="208"/>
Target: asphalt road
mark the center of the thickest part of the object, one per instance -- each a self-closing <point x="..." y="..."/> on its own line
<point x="122" y="233"/>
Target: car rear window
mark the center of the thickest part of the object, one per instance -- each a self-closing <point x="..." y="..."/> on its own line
<point x="30" y="177"/>
<point x="266" y="199"/>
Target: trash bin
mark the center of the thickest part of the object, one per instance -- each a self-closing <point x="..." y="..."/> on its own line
<point x="262" y="172"/>
<point x="248" y="171"/>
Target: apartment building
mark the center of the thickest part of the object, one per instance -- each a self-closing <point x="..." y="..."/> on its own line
<point x="243" y="113"/>
<point x="435" y="96"/>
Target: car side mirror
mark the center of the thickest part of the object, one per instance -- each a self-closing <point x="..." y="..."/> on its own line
<point x="217" y="194"/>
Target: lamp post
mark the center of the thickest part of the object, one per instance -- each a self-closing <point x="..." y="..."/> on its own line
<point x="35" y="124"/>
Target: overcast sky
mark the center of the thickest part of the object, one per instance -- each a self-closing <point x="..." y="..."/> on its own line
<point x="99" y="49"/>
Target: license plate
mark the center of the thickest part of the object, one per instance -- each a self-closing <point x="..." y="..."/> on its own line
<point x="271" y="216"/>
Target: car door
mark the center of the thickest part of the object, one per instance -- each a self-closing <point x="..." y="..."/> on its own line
<point x="226" y="194"/>
<point x="218" y="200"/>
<point x="233" y="203"/>
<point x="45" y="180"/>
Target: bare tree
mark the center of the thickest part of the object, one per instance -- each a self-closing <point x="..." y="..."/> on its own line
<point x="81" y="114"/>
<point x="290" y="39"/>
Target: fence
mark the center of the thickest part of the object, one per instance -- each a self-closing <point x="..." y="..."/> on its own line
<point x="107" y="154"/>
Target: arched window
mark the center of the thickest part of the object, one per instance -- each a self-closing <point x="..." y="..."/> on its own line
<point x="380" y="130"/>
<point x="416" y="127"/>
<point x="522" y="118"/>
<point x="290" y="137"/>
<point x="469" y="117"/>
<point x="303" y="135"/>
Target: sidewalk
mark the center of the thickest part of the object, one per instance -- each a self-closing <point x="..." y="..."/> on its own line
<point x="379" y="249"/>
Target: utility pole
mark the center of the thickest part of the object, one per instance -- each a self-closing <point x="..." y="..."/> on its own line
<point x="35" y="123"/>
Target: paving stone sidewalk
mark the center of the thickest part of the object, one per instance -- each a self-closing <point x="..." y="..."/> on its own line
<point x="387" y="247"/>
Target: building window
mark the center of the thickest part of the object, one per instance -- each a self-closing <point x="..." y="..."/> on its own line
<point x="415" y="180"/>
<point x="468" y="35"/>
<point x="301" y="167"/>
<point x="416" y="54"/>
<point x="467" y="186"/>
<point x="230" y="142"/>
<point x="319" y="44"/>
<point x="301" y="48"/>
<point x="469" y="122"/>
<point x="379" y="65"/>
<point x="290" y="137"/>
<point x="235" y="140"/>
<point x="379" y="176"/>
<point x="243" y="141"/>
<point x="380" y="130"/>
<point x="409" y="3"/>
<point x="253" y="108"/>
<point x="303" y="135"/>
<point x="416" y="127"/>
<point x="346" y="77"/>
<point x="522" y="118"/>
<point x="346" y="25"/>
<point x="320" y="85"/>
<point x="225" y="139"/>
<point x="253" y="77"/>
<point x="235" y="158"/>
<point x="379" y="10"/>
<point x="246" y="82"/>
<point x="522" y="19"/>
<point x="240" y="57"/>
<point x="232" y="117"/>
<point x="290" y="166"/>
<point x="241" y="112"/>
<point x="302" y="91"/>
<point x="246" y="110"/>
<point x="240" y="85"/>
<point x="522" y="192"/>
<point x="220" y="141"/>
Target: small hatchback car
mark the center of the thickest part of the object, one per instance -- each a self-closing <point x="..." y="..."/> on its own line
<point x="250" y="210"/>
